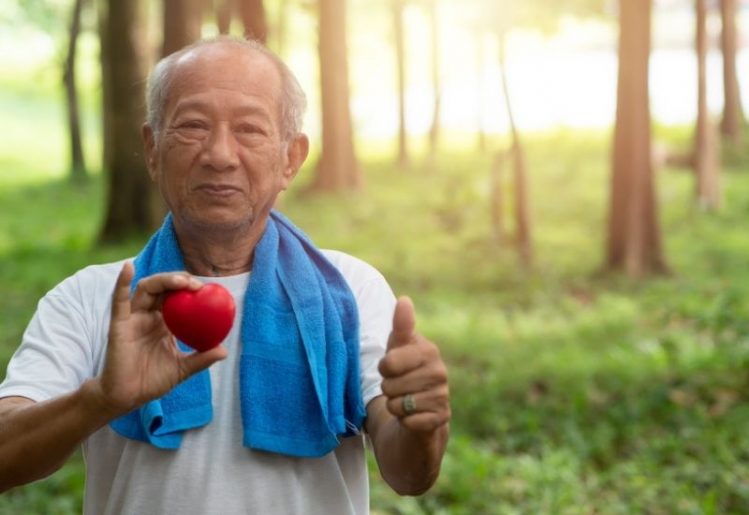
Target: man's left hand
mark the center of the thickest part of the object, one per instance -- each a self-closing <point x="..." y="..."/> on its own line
<point x="414" y="375"/>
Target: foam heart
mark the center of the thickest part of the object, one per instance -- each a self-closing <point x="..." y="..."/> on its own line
<point x="199" y="318"/>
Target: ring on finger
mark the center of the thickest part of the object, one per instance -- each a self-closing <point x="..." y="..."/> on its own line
<point x="409" y="404"/>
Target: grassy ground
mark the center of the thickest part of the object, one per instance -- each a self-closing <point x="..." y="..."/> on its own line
<point x="573" y="392"/>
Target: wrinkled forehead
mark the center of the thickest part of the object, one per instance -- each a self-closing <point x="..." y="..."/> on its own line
<point x="225" y="66"/>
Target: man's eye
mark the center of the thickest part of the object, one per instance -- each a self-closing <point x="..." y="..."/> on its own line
<point x="248" y="128"/>
<point x="193" y="125"/>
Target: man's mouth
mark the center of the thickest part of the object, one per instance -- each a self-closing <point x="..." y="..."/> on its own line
<point x="218" y="190"/>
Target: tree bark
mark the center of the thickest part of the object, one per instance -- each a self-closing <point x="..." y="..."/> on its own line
<point x="496" y="197"/>
<point x="521" y="205"/>
<point x="338" y="168"/>
<point x="124" y="52"/>
<point x="705" y="158"/>
<point x="400" y="60"/>
<point x="733" y="114"/>
<point x="223" y="11"/>
<point x="78" y="173"/>
<point x="252" y="13"/>
<point x="183" y="20"/>
<point x="280" y="29"/>
<point x="634" y="239"/>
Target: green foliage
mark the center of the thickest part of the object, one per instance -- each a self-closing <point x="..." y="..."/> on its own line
<point x="48" y="15"/>
<point x="59" y="495"/>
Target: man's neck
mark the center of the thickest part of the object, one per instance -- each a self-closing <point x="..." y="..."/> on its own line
<point x="218" y="253"/>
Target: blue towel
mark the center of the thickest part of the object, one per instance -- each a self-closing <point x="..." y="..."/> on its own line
<point x="299" y="367"/>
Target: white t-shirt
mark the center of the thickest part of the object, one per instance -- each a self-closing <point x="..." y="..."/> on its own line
<point x="65" y="344"/>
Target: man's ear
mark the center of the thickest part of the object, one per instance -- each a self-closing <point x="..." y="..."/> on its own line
<point x="296" y="154"/>
<point x="149" y="148"/>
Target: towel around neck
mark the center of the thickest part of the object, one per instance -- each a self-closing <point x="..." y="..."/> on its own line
<point x="299" y="367"/>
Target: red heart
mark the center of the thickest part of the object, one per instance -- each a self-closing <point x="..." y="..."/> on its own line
<point x="199" y="318"/>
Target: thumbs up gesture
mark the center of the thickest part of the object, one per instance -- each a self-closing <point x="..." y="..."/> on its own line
<point x="414" y="375"/>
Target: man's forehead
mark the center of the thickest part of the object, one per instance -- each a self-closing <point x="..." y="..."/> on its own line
<point x="222" y="60"/>
<point x="224" y="66"/>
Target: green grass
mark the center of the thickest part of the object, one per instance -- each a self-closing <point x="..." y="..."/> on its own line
<point x="573" y="391"/>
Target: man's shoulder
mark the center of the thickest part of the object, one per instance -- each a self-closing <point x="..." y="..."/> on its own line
<point x="354" y="269"/>
<point x="92" y="279"/>
<point x="368" y="285"/>
<point x="101" y="272"/>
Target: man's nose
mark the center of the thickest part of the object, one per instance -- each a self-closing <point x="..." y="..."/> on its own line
<point x="220" y="149"/>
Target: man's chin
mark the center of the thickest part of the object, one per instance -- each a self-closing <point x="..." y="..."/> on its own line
<point x="219" y="224"/>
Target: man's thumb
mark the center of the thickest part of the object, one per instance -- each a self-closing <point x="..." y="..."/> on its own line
<point x="121" y="292"/>
<point x="404" y="323"/>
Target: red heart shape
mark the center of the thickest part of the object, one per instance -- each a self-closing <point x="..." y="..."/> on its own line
<point x="199" y="318"/>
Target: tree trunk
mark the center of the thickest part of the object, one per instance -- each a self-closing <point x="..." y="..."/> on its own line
<point x="496" y="197"/>
<point x="634" y="240"/>
<point x="281" y="27"/>
<point x="400" y="59"/>
<point x="183" y="20"/>
<point x="77" y="162"/>
<point x="223" y="15"/>
<point x="124" y="51"/>
<point x="733" y="113"/>
<point x="255" y="25"/>
<point x="705" y="158"/>
<point x="338" y="168"/>
<point x="434" y="130"/>
<point x="521" y="206"/>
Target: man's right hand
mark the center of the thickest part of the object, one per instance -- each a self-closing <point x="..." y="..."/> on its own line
<point x="143" y="361"/>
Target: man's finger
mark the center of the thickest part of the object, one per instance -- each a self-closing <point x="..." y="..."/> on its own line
<point x="148" y="293"/>
<point x="404" y="323"/>
<point x="121" y="292"/>
<point x="197" y="361"/>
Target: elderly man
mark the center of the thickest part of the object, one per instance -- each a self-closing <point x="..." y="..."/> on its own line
<point x="321" y="353"/>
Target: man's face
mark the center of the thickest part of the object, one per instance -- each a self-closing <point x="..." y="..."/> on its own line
<point x="220" y="159"/>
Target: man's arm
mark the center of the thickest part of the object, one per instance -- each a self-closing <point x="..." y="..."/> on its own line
<point x="142" y="363"/>
<point x="37" y="438"/>
<point x="409" y="440"/>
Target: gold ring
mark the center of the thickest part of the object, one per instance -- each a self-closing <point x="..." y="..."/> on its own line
<point x="409" y="405"/>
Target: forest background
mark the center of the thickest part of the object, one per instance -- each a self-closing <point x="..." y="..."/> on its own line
<point x="562" y="186"/>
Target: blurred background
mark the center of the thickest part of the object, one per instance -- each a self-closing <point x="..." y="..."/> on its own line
<point x="561" y="185"/>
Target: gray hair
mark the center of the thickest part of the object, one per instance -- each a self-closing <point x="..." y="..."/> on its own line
<point x="293" y="100"/>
